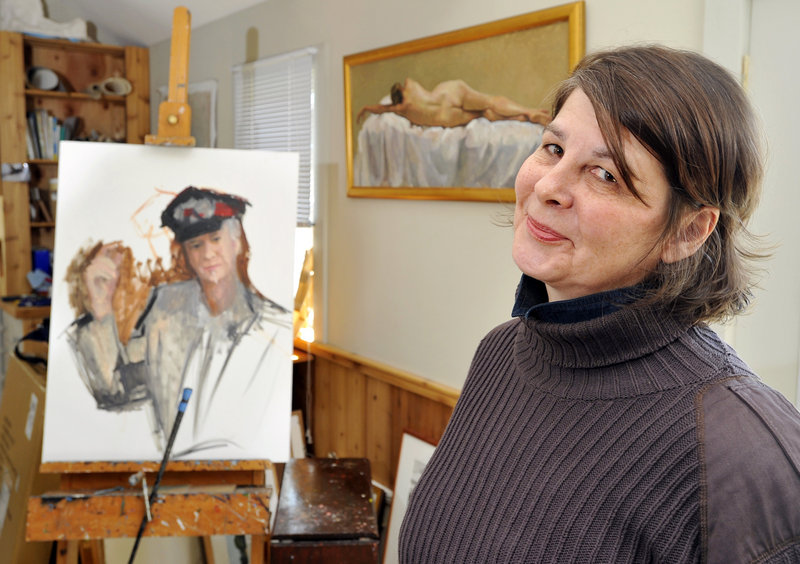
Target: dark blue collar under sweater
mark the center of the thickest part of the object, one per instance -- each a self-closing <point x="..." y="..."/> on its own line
<point x="532" y="303"/>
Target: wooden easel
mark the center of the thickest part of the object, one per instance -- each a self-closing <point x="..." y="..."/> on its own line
<point x="175" y="114"/>
<point x="198" y="498"/>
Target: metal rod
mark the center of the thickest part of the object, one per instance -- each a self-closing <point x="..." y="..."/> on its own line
<point x="187" y="392"/>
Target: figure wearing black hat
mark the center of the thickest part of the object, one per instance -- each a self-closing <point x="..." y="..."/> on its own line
<point x="199" y="332"/>
<point x="209" y="240"/>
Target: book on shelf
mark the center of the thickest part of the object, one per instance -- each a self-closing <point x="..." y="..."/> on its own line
<point x="41" y="130"/>
<point x="29" y="143"/>
<point x="45" y="131"/>
<point x="32" y="137"/>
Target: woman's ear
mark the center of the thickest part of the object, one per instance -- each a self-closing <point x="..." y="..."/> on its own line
<point x="695" y="229"/>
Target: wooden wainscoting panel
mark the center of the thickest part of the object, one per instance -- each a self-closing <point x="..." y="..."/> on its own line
<point x="339" y="413"/>
<point x="422" y="417"/>
<point x="321" y="426"/>
<point x="379" y="438"/>
<point x="356" y="389"/>
<point x="362" y="408"/>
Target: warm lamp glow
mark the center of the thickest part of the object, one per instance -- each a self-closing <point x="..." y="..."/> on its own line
<point x="306" y="332"/>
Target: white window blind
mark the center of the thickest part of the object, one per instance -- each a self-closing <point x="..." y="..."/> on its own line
<point x="274" y="109"/>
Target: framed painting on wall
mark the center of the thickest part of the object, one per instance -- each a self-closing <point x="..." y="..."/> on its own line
<point x="453" y="116"/>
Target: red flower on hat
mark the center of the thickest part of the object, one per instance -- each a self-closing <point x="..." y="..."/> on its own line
<point x="223" y="210"/>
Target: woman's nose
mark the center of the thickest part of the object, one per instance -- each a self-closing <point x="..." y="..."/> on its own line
<point x="555" y="186"/>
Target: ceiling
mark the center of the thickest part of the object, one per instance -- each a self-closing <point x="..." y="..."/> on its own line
<point x="146" y="22"/>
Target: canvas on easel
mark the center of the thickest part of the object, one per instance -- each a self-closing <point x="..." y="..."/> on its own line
<point x="173" y="268"/>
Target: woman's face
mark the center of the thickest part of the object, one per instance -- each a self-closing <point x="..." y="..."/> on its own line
<point x="212" y="256"/>
<point x="577" y="228"/>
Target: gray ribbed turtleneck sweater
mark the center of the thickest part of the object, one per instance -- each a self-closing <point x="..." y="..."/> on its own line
<point x="626" y="438"/>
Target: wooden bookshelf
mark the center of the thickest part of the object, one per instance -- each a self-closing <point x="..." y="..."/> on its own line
<point x="109" y="98"/>
<point x="118" y="118"/>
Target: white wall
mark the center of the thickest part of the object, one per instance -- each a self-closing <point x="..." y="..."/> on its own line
<point x="67" y="10"/>
<point x="769" y="338"/>
<point x="412" y="284"/>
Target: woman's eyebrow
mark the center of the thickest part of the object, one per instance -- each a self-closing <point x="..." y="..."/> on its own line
<point x="553" y="129"/>
<point x="598" y="153"/>
<point x="602" y="153"/>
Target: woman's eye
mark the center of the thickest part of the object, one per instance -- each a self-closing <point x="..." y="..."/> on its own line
<point x="603" y="174"/>
<point x="553" y="149"/>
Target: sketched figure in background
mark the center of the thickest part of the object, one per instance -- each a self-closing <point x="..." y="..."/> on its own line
<point x="210" y="330"/>
<point x="450" y="104"/>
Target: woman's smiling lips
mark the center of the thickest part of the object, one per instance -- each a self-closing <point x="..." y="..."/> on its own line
<point x="543" y="233"/>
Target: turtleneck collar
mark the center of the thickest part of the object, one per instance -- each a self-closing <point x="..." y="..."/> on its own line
<point x="594" y="348"/>
<point x="532" y="303"/>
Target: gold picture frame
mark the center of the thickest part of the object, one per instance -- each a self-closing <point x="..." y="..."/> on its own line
<point x="521" y="58"/>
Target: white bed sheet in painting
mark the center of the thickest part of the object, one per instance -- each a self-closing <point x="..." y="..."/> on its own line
<point x="482" y="154"/>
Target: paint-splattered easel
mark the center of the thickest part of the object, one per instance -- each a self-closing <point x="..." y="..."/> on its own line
<point x="97" y="499"/>
<point x="175" y="114"/>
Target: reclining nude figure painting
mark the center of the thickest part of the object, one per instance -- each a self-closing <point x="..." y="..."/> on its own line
<point x="452" y="103"/>
<point x="450" y="135"/>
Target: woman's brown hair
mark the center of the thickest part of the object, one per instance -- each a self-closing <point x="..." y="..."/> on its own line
<point x="696" y="120"/>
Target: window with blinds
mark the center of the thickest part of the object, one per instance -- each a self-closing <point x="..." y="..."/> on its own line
<point x="274" y="109"/>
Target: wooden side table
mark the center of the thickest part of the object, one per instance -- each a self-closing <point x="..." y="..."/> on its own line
<point x="325" y="513"/>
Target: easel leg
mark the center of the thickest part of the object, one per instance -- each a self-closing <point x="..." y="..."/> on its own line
<point x="67" y="552"/>
<point x="92" y="552"/>
<point x="208" y="551"/>
<point x="257" y="546"/>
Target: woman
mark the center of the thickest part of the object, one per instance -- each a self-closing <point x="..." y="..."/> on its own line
<point x="608" y="423"/>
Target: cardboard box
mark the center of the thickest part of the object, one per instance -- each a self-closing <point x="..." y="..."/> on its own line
<point x="21" y="422"/>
